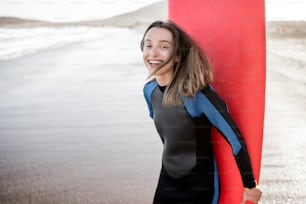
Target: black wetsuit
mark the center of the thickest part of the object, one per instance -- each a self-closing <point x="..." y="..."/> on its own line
<point x="189" y="173"/>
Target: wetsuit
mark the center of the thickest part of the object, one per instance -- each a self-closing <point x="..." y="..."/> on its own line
<point x="189" y="173"/>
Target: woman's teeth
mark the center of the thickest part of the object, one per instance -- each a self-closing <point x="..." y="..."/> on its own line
<point x="154" y="62"/>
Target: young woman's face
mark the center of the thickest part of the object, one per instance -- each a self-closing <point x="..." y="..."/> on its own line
<point x="158" y="46"/>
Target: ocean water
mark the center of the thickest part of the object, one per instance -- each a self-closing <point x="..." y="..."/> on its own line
<point x="18" y="42"/>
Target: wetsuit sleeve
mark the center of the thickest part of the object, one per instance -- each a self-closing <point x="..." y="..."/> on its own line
<point x="221" y="119"/>
<point x="147" y="92"/>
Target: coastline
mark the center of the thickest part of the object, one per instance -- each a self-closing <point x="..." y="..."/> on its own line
<point x="137" y="19"/>
<point x="141" y="18"/>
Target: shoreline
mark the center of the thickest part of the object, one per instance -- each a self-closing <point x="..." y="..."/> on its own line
<point x="141" y="18"/>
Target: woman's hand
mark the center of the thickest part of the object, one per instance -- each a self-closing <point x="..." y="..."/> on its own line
<point x="253" y="195"/>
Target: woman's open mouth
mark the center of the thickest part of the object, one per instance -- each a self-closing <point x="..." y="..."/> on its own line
<point x="155" y="63"/>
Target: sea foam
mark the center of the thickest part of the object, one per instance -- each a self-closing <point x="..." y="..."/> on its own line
<point x="18" y="42"/>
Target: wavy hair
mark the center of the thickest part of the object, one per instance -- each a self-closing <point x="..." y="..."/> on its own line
<point x="192" y="72"/>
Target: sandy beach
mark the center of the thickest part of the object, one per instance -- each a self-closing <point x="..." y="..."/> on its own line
<point x="74" y="127"/>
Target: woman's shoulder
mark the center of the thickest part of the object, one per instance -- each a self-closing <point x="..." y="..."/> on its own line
<point x="151" y="81"/>
<point x="210" y="93"/>
<point x="149" y="87"/>
<point x="207" y="90"/>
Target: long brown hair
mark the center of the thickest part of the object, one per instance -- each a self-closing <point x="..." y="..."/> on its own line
<point x="191" y="73"/>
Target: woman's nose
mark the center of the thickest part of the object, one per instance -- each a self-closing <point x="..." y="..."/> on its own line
<point x="154" y="51"/>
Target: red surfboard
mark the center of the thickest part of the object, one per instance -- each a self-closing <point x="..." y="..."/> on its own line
<point x="232" y="34"/>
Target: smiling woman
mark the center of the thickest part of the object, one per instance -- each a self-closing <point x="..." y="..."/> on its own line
<point x="183" y="67"/>
<point x="157" y="50"/>
<point x="184" y="108"/>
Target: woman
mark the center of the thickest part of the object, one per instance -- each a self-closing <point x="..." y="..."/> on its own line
<point x="184" y="108"/>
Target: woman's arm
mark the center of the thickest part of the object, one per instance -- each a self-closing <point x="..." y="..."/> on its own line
<point x="222" y="120"/>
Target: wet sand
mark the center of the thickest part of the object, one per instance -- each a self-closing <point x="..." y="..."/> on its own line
<point x="74" y="127"/>
<point x="283" y="163"/>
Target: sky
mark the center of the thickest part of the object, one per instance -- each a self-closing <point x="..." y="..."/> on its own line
<point x="74" y="10"/>
<point x="69" y="10"/>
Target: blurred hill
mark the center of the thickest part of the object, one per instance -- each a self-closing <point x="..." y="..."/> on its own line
<point x="286" y="28"/>
<point x="139" y="18"/>
<point x="144" y="16"/>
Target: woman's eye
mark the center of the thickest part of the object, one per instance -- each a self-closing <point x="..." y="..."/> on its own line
<point x="165" y="46"/>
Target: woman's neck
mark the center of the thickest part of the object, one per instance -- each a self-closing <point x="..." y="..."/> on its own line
<point x="162" y="82"/>
<point x="164" y="79"/>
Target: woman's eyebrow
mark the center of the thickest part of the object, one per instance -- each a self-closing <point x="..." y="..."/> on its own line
<point x="165" y="41"/>
<point x="161" y="41"/>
